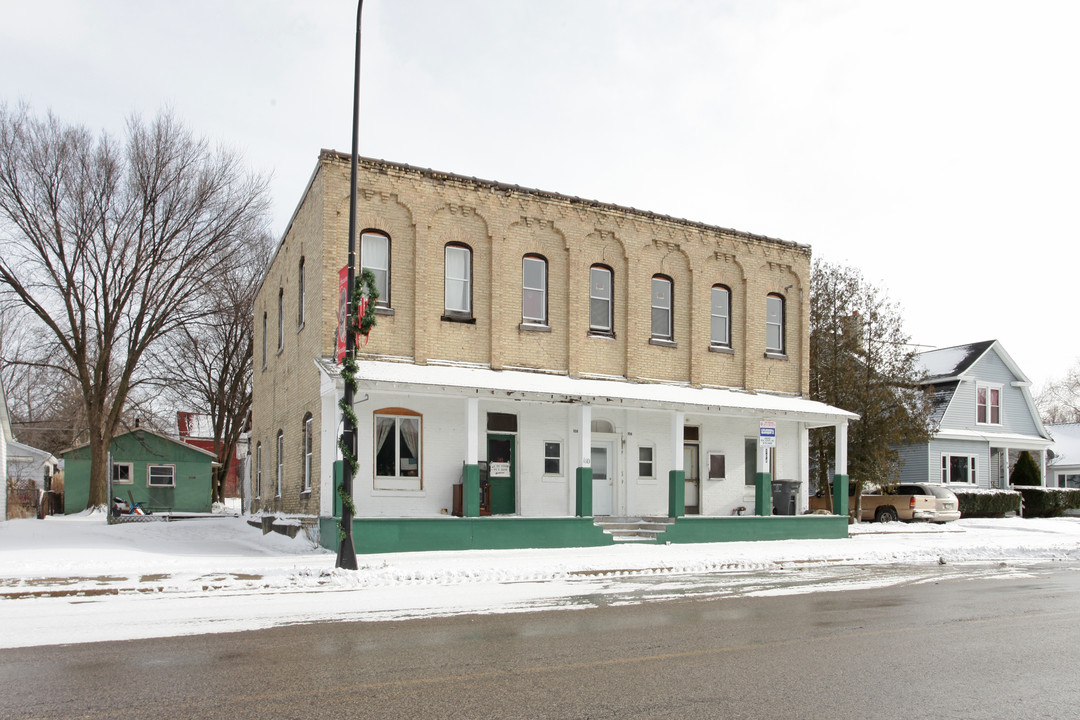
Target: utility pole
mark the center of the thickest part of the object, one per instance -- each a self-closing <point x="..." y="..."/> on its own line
<point x="346" y="557"/>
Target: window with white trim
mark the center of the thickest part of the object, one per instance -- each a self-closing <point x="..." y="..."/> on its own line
<point x="534" y="290"/>
<point x="280" y="462"/>
<point x="553" y="458"/>
<point x="122" y="473"/>
<point x="774" y="324"/>
<point x="458" y="282"/>
<point x="398" y="449"/>
<point x="600" y="300"/>
<point x="646" y="465"/>
<point x="987" y="404"/>
<point x="307" y="451"/>
<point x="958" y="468"/>
<point x="1068" y="480"/>
<point x="375" y="256"/>
<point x="721" y="317"/>
<point x="161" y="475"/>
<point x="661" y="308"/>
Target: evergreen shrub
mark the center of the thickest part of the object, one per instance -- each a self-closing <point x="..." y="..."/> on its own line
<point x="1049" y="502"/>
<point x="985" y="504"/>
<point x="1026" y="472"/>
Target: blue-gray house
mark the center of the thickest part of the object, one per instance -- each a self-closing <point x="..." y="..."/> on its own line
<point x="983" y="418"/>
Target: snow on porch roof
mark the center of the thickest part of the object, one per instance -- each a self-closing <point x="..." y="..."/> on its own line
<point x="546" y="387"/>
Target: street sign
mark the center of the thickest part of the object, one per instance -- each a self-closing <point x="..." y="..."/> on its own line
<point x="767" y="434"/>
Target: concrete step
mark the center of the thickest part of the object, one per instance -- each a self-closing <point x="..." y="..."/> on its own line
<point x="633" y="529"/>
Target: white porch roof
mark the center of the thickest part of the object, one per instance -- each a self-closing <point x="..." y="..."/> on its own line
<point x="1010" y="440"/>
<point x="546" y="387"/>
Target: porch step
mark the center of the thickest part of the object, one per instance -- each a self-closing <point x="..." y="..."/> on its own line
<point x="633" y="529"/>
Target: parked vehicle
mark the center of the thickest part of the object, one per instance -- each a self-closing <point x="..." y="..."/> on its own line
<point x="889" y="508"/>
<point x="947" y="505"/>
<point x="905" y="507"/>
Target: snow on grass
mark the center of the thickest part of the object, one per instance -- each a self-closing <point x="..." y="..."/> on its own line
<point x="78" y="579"/>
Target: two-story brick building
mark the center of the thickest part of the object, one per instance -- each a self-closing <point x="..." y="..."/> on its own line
<point x="557" y="359"/>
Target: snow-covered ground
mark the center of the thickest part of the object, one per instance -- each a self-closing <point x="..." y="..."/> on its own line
<point x="78" y="579"/>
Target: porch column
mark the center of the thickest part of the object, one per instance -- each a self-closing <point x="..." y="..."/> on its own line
<point x="583" y="505"/>
<point x="840" y="479"/>
<point x="470" y="477"/>
<point x="677" y="474"/>
<point x="763" y="481"/>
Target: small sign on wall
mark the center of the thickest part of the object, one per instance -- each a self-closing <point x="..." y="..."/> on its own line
<point x="499" y="469"/>
<point x="767" y="434"/>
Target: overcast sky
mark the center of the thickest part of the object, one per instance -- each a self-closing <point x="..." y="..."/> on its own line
<point x="934" y="144"/>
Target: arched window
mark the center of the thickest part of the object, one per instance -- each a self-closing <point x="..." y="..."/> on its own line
<point x="398" y="449"/>
<point x="601" y="307"/>
<point x="458" y="282"/>
<point x="661" y="307"/>
<point x="280" y="451"/>
<point x="602" y="426"/>
<point x="375" y="256"/>
<point x="307" y="452"/>
<point x="721" y="317"/>
<point x="774" y="324"/>
<point x="534" y="290"/>
<point x="300" y="295"/>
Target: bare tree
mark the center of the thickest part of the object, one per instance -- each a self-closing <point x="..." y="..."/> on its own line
<point x="112" y="246"/>
<point x="1059" y="400"/>
<point x="207" y="364"/>
<point x="861" y="360"/>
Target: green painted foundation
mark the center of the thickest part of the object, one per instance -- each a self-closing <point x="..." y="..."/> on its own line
<point x="676" y="493"/>
<point x="704" y="529"/>
<point x="387" y="535"/>
<point x="841" y="502"/>
<point x="763" y="494"/>
<point x="583" y="504"/>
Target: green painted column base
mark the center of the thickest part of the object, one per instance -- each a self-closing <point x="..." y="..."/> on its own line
<point x="583" y="505"/>
<point x="471" y="481"/>
<point x="676" y="493"/>
<point x="763" y="494"/>
<point x="840" y="500"/>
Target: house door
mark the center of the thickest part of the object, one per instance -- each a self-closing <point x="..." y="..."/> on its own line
<point x="603" y="476"/>
<point x="691" y="469"/>
<point x="502" y="474"/>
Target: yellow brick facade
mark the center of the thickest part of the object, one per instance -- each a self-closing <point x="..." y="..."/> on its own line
<point x="422" y="211"/>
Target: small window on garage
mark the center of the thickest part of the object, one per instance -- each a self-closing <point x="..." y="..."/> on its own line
<point x="122" y="474"/>
<point x="161" y="476"/>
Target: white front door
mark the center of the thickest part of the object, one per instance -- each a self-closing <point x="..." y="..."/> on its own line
<point x="603" y="476"/>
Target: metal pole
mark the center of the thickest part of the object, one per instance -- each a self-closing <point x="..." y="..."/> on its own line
<point x="346" y="557"/>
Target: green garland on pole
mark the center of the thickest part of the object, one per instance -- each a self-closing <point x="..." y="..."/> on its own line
<point x="364" y="296"/>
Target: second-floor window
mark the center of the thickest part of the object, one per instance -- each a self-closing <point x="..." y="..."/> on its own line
<point x="721" y="317"/>
<point x="774" y="324"/>
<point x="375" y="256"/>
<point x="988" y="404"/>
<point x="600" y="305"/>
<point x="281" y="319"/>
<point x="458" y="282"/>
<point x="534" y="290"/>
<point x="300" y="299"/>
<point x="266" y="329"/>
<point x="661" y="307"/>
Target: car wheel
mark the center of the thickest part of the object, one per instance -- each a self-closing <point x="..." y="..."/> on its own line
<point x="886" y="514"/>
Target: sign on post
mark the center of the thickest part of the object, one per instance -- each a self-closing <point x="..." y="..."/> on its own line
<point x="767" y="434"/>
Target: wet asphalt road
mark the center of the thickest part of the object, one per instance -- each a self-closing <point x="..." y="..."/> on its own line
<point x="998" y="646"/>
